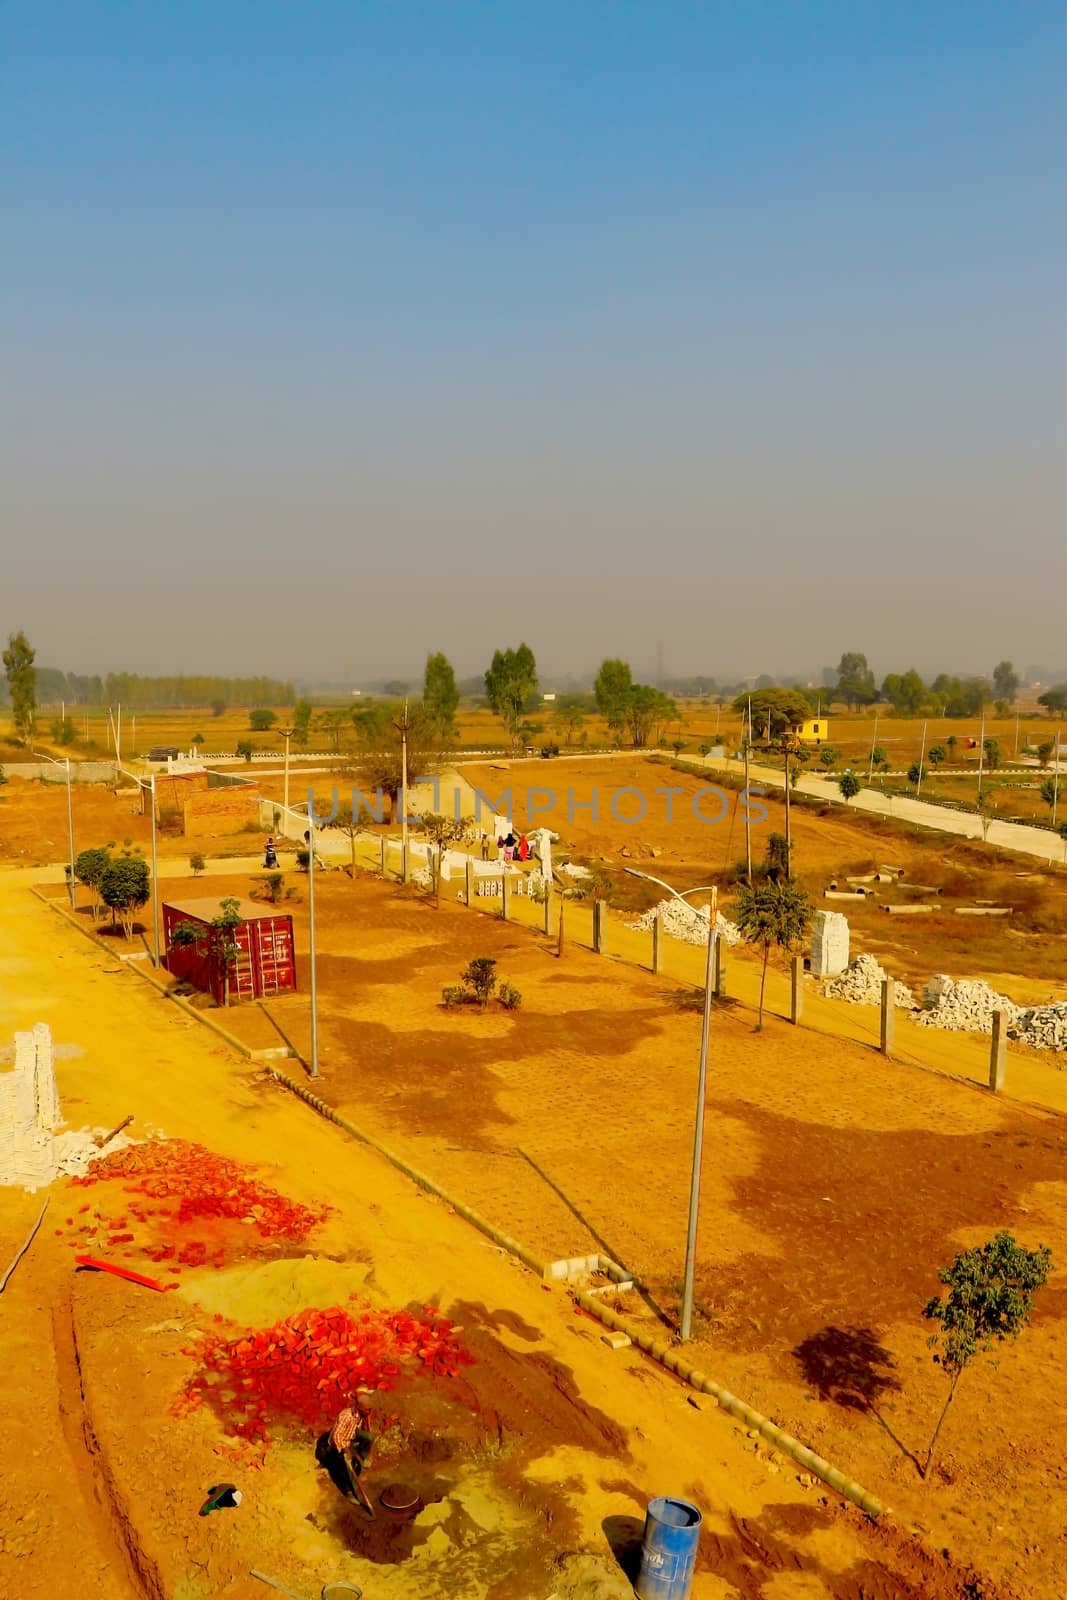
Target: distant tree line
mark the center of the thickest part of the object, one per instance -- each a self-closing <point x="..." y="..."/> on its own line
<point x="132" y="689"/>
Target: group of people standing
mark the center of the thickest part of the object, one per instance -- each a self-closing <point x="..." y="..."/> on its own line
<point x="510" y="846"/>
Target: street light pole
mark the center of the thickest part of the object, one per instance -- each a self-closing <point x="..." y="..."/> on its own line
<point x="310" y="837"/>
<point x="689" y="1284"/>
<point x="287" y="734"/>
<point x="402" y="725"/>
<point x="72" y="887"/>
<point x="155" y="877"/>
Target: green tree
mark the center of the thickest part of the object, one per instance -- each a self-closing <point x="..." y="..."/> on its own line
<point x="905" y="691"/>
<point x="829" y="756"/>
<point x="772" y="914"/>
<point x="302" y="713"/>
<point x="442" y="832"/>
<point x="645" y="707"/>
<point x="1044" y="751"/>
<point x="509" y="683"/>
<point x="855" y="681"/>
<point x="196" y="864"/>
<point x="262" y="719"/>
<point x="612" y="689"/>
<point x="21" y="682"/>
<point x="951" y="742"/>
<point x="479" y="976"/>
<point x="89" y="868"/>
<point x="849" y="785"/>
<point x="379" y="754"/>
<point x="1049" y="791"/>
<point x="990" y="1294"/>
<point x="63" y="731"/>
<point x="1052" y="699"/>
<point x="440" y="695"/>
<point x="915" y="773"/>
<point x="936" y="755"/>
<point x="224" y="942"/>
<point x="243" y="747"/>
<point x="991" y="748"/>
<point x="774" y="711"/>
<point x="218" y="707"/>
<point x="1005" y="681"/>
<point x="571" y="715"/>
<point x="777" y="864"/>
<point x="351" y="824"/>
<point x="125" y="887"/>
<point x="879" y="758"/>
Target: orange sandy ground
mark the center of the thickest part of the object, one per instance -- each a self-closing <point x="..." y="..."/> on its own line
<point x="835" y="1185"/>
<point x="102" y="1484"/>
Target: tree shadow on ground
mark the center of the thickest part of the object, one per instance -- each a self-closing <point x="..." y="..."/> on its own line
<point x="849" y="1367"/>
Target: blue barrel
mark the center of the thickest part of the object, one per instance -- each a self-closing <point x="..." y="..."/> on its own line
<point x="668" y="1550"/>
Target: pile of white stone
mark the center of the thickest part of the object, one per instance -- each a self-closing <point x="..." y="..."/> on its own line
<point x="32" y="1154"/>
<point x="687" y="923"/>
<point x="968" y="1007"/>
<point x="861" y="983"/>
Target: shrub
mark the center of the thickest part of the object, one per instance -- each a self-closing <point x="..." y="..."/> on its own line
<point x="197" y="864"/>
<point x="453" y="995"/>
<point x="271" y="887"/>
<point x="828" y="756"/>
<point x="243" y="747"/>
<point x="198" y="739"/>
<point x="479" y="976"/>
<point x="509" y="997"/>
<point x="303" y="858"/>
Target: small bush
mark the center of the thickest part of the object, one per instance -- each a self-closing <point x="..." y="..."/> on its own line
<point x="509" y="997"/>
<point x="303" y="858"/>
<point x="479" y="976"/>
<point x="197" y="864"/>
<point x="453" y="995"/>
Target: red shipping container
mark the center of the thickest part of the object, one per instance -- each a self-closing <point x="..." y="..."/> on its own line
<point x="262" y="958"/>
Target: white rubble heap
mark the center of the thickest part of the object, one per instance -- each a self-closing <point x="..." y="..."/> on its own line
<point x="968" y="1007"/>
<point x="861" y="983"/>
<point x="688" y="923"/>
<point x="32" y="1154"/>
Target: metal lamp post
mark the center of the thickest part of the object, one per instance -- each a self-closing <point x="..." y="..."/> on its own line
<point x="287" y="734"/>
<point x="686" y="1321"/>
<point x="313" y="986"/>
<point x="70" y="824"/>
<point x="155" y="878"/>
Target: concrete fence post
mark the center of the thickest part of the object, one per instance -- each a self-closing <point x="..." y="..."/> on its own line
<point x="598" y="927"/>
<point x="888" y="1015"/>
<point x="384" y="844"/>
<point x="504" y="895"/>
<point x="655" y="945"/>
<point x="467" y="875"/>
<point x="998" y="1052"/>
<point x="718" y="988"/>
<point x="548" y="911"/>
<point x="796" y="1006"/>
<point x="403" y="863"/>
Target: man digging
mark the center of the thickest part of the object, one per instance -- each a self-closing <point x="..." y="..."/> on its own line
<point x="350" y="1433"/>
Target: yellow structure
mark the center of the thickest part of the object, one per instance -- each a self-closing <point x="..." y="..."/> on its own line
<point x="815" y="730"/>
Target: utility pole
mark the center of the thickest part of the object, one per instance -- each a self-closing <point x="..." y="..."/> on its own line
<point x="981" y="758"/>
<point x="748" y="826"/>
<point x="402" y="725"/>
<point x="287" y="734"/>
<point x="874" y="744"/>
<point x="313" y="986"/>
<point x="922" y="758"/>
<point x="788" y="832"/>
<point x="155" y="878"/>
<point x="70" y="841"/>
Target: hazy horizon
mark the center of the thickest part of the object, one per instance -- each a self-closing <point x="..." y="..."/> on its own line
<point x="338" y="335"/>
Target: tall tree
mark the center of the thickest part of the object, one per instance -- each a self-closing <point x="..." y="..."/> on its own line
<point x="644" y="708"/>
<point x="440" y="695"/>
<point x="509" y="684"/>
<point x="905" y="691"/>
<point x="379" y="757"/>
<point x="612" y="689"/>
<point x="774" y="711"/>
<point x="772" y="914"/>
<point x="1005" y="682"/>
<point x="855" y="680"/>
<point x="21" y="682"/>
<point x="1052" y="699"/>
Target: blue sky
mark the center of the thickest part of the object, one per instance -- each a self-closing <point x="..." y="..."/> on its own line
<point x="339" y="333"/>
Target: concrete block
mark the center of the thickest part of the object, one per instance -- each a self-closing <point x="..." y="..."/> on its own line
<point x="616" y="1341"/>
